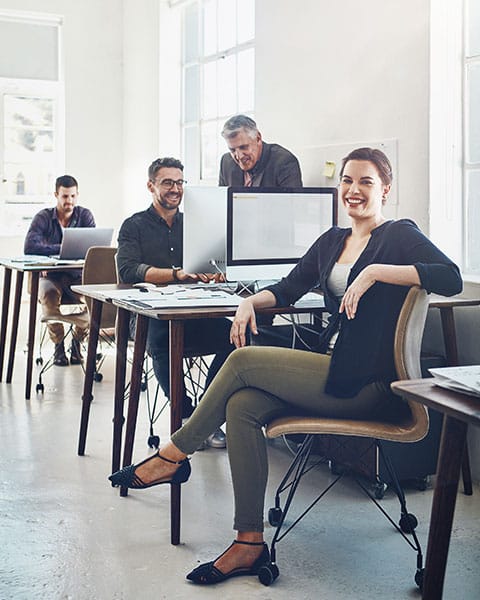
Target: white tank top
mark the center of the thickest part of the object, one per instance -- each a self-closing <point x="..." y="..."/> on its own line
<point x="337" y="284"/>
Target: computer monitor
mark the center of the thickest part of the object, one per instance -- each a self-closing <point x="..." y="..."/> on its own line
<point x="204" y="227"/>
<point x="269" y="230"/>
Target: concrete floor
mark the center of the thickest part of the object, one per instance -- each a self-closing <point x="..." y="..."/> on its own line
<point x="66" y="534"/>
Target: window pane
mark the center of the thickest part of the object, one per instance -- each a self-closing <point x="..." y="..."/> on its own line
<point x="28" y="51"/>
<point x="473" y="113"/>
<point x="210" y="95"/>
<point x="226" y="24"/>
<point x="29" y="147"/>
<point x="227" y="86"/>
<point x="245" y="21"/>
<point x="22" y="111"/>
<point x="192" y="153"/>
<point x="191" y="94"/>
<point x="246" y="80"/>
<point x="209" y="151"/>
<point x="473" y="20"/>
<point x="209" y="27"/>
<point x="190" y="34"/>
<point x="473" y="222"/>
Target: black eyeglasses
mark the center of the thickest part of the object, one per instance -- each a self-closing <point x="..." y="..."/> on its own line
<point x="169" y="183"/>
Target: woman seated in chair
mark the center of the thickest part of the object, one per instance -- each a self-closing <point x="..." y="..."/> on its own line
<point x="365" y="272"/>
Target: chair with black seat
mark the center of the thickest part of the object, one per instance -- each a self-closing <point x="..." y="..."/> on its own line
<point x="410" y="424"/>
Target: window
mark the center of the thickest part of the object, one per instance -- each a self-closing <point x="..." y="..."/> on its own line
<point x="31" y="116"/>
<point x="455" y="132"/>
<point x="218" y="59"/>
<point x="471" y="163"/>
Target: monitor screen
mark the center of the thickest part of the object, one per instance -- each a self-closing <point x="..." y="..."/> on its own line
<point x="269" y="230"/>
<point x="204" y="226"/>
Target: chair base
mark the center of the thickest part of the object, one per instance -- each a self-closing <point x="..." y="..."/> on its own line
<point x="299" y="467"/>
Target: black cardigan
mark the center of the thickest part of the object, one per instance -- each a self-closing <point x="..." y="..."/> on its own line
<point x="363" y="352"/>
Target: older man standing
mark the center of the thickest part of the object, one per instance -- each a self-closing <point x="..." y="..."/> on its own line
<point x="253" y="162"/>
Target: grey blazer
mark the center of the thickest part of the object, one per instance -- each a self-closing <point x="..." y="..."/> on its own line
<point x="277" y="167"/>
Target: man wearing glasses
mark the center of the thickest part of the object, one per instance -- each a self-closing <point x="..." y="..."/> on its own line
<point x="150" y="249"/>
<point x="251" y="162"/>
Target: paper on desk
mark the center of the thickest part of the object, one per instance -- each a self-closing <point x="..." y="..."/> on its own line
<point x="460" y="379"/>
<point x="175" y="296"/>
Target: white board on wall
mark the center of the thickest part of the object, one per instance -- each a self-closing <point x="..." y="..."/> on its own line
<point x="319" y="162"/>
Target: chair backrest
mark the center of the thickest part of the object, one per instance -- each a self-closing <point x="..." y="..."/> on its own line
<point x="407" y="347"/>
<point x="409" y="426"/>
<point x="100" y="267"/>
<point x="409" y="334"/>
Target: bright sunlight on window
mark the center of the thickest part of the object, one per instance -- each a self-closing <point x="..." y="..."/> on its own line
<point x="218" y="78"/>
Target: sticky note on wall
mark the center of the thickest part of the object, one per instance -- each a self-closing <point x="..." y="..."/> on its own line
<point x="329" y="169"/>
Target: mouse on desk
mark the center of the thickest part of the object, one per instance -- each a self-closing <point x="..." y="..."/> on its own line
<point x="144" y="286"/>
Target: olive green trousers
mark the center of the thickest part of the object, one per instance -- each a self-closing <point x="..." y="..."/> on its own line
<point x="255" y="385"/>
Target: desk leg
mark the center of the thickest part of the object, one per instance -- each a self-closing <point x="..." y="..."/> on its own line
<point x="448" y="473"/>
<point x="135" y="386"/>
<point x="87" y="396"/>
<point x="121" y="342"/>
<point x="14" y="330"/>
<point x="7" y="283"/>
<point x="32" y="320"/>
<point x="451" y="351"/>
<point x="176" y="399"/>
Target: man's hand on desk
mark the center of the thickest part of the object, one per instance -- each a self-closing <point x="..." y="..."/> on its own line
<point x="181" y="276"/>
<point x="162" y="276"/>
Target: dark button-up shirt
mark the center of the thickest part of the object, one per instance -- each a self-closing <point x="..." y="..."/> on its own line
<point x="45" y="235"/>
<point x="145" y="240"/>
<point x="363" y="352"/>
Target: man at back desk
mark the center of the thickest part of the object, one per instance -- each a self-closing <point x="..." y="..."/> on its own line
<point x="252" y="162"/>
<point x="44" y="237"/>
<point x="150" y="249"/>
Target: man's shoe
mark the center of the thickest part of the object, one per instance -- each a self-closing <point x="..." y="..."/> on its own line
<point x="217" y="439"/>
<point x="59" y="357"/>
<point x="76" y="357"/>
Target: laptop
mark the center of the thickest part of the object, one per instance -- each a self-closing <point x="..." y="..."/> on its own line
<point x="77" y="240"/>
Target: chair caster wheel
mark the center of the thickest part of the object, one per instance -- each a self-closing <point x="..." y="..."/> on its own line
<point x="39" y="361"/>
<point x="408" y="523"/>
<point x="268" y="573"/>
<point x="275" y="516"/>
<point x="39" y="387"/>
<point x="419" y="578"/>
<point x="154" y="441"/>
<point x="379" y="490"/>
<point x="97" y="376"/>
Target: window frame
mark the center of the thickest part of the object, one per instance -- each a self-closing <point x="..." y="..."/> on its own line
<point x="449" y="167"/>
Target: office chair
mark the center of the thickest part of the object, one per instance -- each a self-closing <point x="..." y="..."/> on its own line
<point x="76" y="314"/>
<point x="409" y="425"/>
<point x="100" y="268"/>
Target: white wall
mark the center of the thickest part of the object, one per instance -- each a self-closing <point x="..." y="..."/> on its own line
<point x="350" y="72"/>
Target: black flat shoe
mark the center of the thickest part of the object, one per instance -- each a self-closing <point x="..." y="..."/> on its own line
<point x="126" y="477"/>
<point x="208" y="574"/>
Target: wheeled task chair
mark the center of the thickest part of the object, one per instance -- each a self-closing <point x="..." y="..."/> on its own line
<point x="409" y="425"/>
